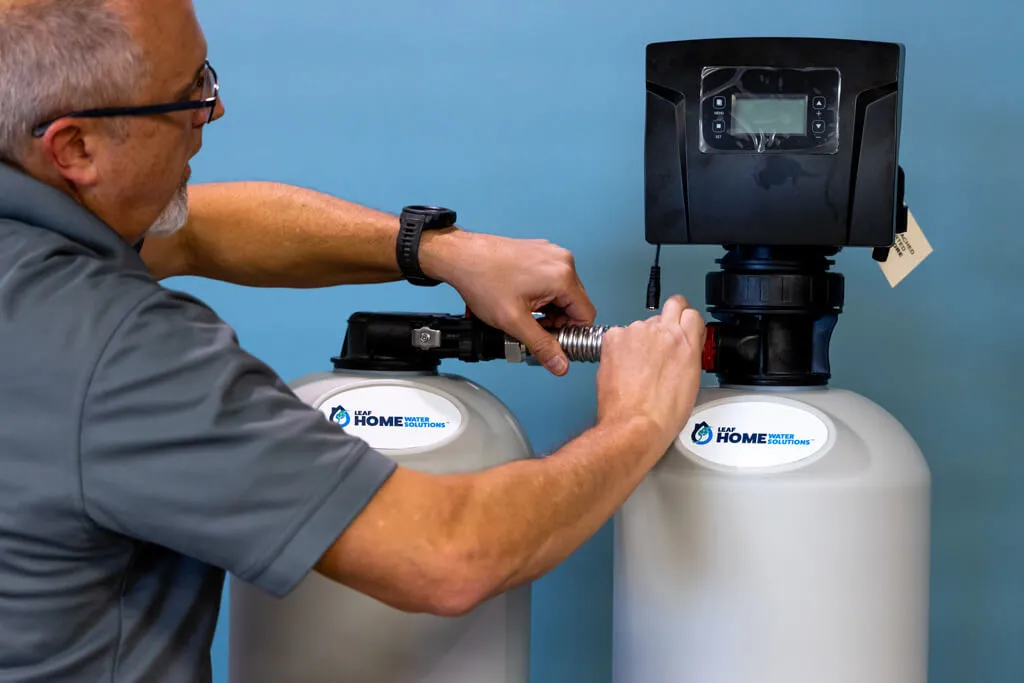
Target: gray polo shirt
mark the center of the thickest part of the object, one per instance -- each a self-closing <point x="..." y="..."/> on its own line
<point x="142" y="455"/>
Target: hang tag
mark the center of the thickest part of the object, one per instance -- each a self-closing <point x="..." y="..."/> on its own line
<point x="907" y="252"/>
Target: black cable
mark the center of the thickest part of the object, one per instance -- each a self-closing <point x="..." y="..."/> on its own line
<point x="654" y="283"/>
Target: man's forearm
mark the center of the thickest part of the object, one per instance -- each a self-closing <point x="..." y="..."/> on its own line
<point x="272" y="235"/>
<point x="443" y="544"/>
<point x="524" y="519"/>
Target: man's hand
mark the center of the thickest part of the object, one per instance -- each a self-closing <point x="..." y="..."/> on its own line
<point x="652" y="369"/>
<point x="504" y="281"/>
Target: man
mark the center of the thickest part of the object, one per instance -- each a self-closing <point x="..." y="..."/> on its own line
<point x="143" y="453"/>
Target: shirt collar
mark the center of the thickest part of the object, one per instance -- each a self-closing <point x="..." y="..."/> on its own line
<point x="33" y="202"/>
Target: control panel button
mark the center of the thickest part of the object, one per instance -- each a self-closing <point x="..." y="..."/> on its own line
<point x="818" y="102"/>
<point x="818" y="126"/>
<point x="718" y="102"/>
<point x="718" y="126"/>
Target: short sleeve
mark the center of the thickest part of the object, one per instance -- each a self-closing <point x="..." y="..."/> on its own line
<point x="190" y="443"/>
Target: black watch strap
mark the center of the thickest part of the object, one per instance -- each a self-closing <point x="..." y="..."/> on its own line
<point x="413" y="221"/>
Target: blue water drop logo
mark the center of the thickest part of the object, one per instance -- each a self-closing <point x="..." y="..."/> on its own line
<point x="702" y="434"/>
<point x="340" y="417"/>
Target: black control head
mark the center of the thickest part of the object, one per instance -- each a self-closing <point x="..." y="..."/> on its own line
<point x="773" y="142"/>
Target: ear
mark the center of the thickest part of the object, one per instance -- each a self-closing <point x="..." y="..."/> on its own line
<point x="69" y="147"/>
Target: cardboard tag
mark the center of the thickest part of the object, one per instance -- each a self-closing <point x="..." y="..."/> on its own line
<point x="907" y="252"/>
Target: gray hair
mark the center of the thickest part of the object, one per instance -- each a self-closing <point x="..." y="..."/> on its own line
<point x="57" y="56"/>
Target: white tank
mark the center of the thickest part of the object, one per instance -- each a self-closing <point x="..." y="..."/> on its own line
<point x="782" y="539"/>
<point x="326" y="633"/>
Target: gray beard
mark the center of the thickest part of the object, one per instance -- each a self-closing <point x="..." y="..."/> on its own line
<point x="173" y="217"/>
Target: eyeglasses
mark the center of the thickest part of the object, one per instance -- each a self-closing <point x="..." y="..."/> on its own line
<point x="206" y="84"/>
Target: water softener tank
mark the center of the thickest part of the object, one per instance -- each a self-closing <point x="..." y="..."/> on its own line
<point x="386" y="389"/>
<point x="784" y="536"/>
<point x="782" y="539"/>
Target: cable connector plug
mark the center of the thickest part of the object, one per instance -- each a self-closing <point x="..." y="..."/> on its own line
<point x="654" y="283"/>
<point x="654" y="289"/>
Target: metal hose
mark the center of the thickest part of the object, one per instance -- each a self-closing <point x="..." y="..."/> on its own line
<point x="581" y="344"/>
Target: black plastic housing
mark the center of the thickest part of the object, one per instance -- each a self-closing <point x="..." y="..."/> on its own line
<point x="845" y="195"/>
<point x="776" y="309"/>
<point x="385" y="342"/>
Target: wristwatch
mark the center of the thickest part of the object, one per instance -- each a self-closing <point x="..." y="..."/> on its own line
<point x="413" y="221"/>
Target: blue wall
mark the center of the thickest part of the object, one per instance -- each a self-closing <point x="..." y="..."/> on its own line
<point x="527" y="118"/>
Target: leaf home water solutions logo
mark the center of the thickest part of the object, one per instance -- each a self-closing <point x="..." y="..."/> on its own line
<point x="703" y="434"/>
<point x="340" y="417"/>
<point x="366" y="418"/>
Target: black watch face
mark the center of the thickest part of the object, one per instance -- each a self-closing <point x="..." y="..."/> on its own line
<point x="436" y="216"/>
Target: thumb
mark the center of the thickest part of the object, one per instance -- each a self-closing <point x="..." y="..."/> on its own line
<point x="543" y="345"/>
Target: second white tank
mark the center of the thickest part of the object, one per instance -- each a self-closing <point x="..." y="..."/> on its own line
<point x="326" y="633"/>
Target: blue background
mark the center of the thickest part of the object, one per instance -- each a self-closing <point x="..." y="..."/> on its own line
<point x="527" y="118"/>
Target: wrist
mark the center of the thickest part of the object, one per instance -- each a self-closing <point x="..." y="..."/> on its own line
<point x="440" y="251"/>
<point x="643" y="431"/>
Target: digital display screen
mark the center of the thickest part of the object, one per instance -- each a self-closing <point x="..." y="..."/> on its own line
<point x="780" y="115"/>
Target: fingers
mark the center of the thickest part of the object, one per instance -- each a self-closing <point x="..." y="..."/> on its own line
<point x="553" y="317"/>
<point x="688" y="322"/>
<point x="694" y="327"/>
<point x="573" y="299"/>
<point x="673" y="309"/>
<point x="544" y="347"/>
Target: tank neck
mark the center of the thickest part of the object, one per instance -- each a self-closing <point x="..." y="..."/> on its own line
<point x="768" y="390"/>
<point x="387" y="374"/>
<point x="776" y="309"/>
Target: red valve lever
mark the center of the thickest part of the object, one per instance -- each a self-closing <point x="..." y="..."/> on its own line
<point x="709" y="359"/>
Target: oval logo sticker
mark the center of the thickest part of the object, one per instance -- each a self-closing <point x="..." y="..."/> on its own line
<point x="393" y="417"/>
<point x="748" y="434"/>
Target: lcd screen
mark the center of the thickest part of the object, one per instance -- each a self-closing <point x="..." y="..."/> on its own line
<point x="785" y="115"/>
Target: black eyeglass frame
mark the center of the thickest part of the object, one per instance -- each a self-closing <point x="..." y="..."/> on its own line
<point x="144" y="110"/>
